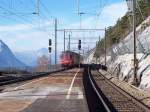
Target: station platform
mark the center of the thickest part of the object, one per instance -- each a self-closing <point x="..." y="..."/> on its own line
<point x="59" y="92"/>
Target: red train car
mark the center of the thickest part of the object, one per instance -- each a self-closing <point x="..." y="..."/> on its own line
<point x="69" y="59"/>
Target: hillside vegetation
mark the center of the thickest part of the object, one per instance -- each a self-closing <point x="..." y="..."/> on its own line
<point x="123" y="27"/>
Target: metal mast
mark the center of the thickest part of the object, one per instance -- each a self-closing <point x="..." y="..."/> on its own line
<point x="64" y="39"/>
<point x="134" y="36"/>
<point x="55" y="41"/>
<point x="105" y="47"/>
<point x="69" y="43"/>
<point x="38" y="9"/>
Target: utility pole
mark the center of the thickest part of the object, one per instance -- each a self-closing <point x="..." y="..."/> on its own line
<point x="79" y="48"/>
<point x="78" y="11"/>
<point x="50" y="50"/>
<point x="64" y="39"/>
<point x="69" y="43"/>
<point x="99" y="38"/>
<point x="80" y="21"/>
<point x="55" y="41"/>
<point x="78" y="5"/>
<point x="37" y="7"/>
<point x="99" y="49"/>
<point x="105" y="46"/>
<point x="96" y="53"/>
<point x="134" y="36"/>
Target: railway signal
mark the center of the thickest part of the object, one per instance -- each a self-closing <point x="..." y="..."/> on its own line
<point x="79" y="45"/>
<point x="49" y="49"/>
<point x="50" y="42"/>
<point x="50" y="46"/>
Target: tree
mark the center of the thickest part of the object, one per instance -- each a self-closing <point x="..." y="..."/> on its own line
<point x="123" y="27"/>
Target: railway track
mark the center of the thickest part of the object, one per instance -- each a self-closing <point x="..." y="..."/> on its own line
<point x="11" y="80"/>
<point x="94" y="100"/>
<point x="25" y="78"/>
<point x="102" y="95"/>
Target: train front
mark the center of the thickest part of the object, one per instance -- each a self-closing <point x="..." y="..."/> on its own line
<point x="65" y="59"/>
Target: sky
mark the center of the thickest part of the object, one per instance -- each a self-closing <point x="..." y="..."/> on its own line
<point x="22" y="29"/>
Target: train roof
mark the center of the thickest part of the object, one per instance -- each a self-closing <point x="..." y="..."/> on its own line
<point x="71" y="52"/>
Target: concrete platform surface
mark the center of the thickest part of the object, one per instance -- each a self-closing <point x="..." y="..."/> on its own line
<point x="59" y="92"/>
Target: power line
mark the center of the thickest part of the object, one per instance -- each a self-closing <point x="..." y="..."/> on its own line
<point x="46" y="9"/>
<point x="140" y="10"/>
<point x="6" y="17"/>
<point x="41" y="15"/>
<point x="14" y="14"/>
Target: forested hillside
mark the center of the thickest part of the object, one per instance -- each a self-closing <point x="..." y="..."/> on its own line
<point x="124" y="26"/>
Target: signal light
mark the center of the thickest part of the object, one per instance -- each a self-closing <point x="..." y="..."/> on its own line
<point x="79" y="45"/>
<point x="80" y="42"/>
<point x="49" y="49"/>
<point x="50" y="42"/>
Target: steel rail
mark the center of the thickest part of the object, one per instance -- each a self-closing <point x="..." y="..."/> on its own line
<point x="100" y="97"/>
<point x="142" y="105"/>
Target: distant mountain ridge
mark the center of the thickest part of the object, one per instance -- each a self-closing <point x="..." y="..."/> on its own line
<point x="30" y="57"/>
<point x="7" y="58"/>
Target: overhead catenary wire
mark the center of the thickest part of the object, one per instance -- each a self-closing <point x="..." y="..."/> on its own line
<point x="140" y="10"/>
<point x="15" y="16"/>
<point x="46" y="9"/>
<point x="25" y="20"/>
<point x="41" y="16"/>
<point x="27" y="17"/>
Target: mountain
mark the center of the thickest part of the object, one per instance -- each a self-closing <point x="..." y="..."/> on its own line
<point x="7" y="58"/>
<point x="30" y="57"/>
<point x="27" y="57"/>
<point x="42" y="51"/>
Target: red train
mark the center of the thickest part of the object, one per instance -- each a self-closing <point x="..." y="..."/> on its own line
<point x="70" y="59"/>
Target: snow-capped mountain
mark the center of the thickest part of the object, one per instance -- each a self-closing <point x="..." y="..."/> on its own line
<point x="7" y="58"/>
